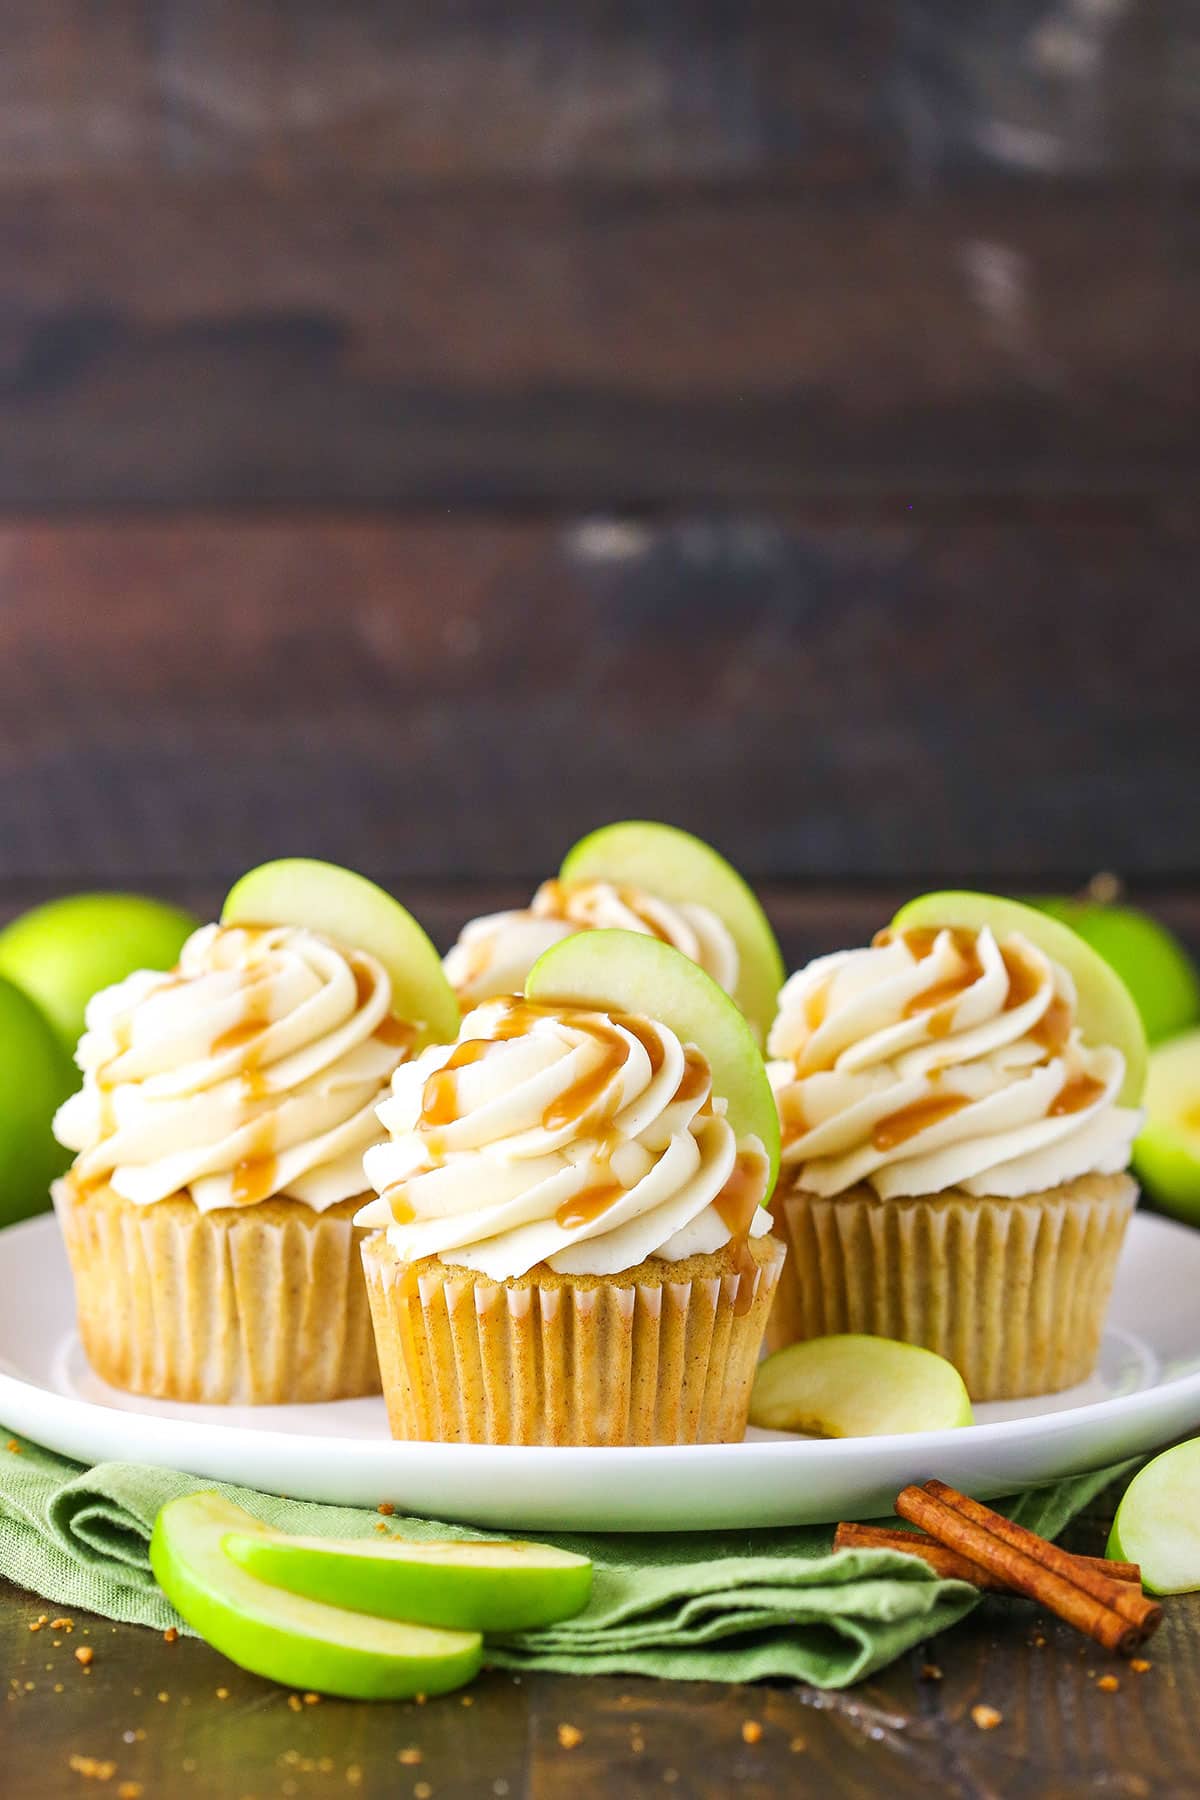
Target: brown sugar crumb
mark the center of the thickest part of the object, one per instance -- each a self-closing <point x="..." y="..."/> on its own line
<point x="986" y="1717"/>
<point x="84" y="1654"/>
<point x="386" y="1508"/>
<point x="162" y="1696"/>
<point x="62" y="1624"/>
<point x="170" y="1635"/>
<point x="569" y="1736"/>
<point x="670" y="1776"/>
<point x="1109" y="1683"/>
<point x="312" y="1699"/>
<point x="410" y="1757"/>
<point x="467" y="1700"/>
<point x="380" y="1525"/>
<point x="422" y="1791"/>
<point x="13" y="1447"/>
<point x="354" y="1774"/>
<point x="130" y="1790"/>
<point x="751" y="1731"/>
<point x="1139" y="1665"/>
<point x="637" y="1743"/>
<point x="295" y="1702"/>
<point x="222" y="1693"/>
<point x="1039" y="1642"/>
<point x="930" y="1672"/>
<point x="93" y="1767"/>
<point x="797" y="1745"/>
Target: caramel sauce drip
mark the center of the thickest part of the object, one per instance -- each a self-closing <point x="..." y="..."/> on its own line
<point x="898" y="1127"/>
<point x="576" y="1101"/>
<point x="696" y="1081"/>
<point x="403" y="1212"/>
<point x="439" y="1096"/>
<point x="939" y="1002"/>
<point x="1023" y="980"/>
<point x="1053" y="1029"/>
<point x="739" y="1199"/>
<point x="591" y="1204"/>
<point x="396" y="1033"/>
<point x="254" y="1178"/>
<point x="919" y="941"/>
<point x="1078" y="1094"/>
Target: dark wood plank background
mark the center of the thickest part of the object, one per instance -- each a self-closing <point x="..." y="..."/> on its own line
<point x="425" y="432"/>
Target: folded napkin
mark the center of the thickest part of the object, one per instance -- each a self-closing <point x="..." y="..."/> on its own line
<point x="702" y="1606"/>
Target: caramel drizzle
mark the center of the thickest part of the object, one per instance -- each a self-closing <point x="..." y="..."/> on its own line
<point x="896" y="1128"/>
<point x="1077" y="1095"/>
<point x="589" y="1205"/>
<point x="939" y="1002"/>
<point x="736" y="1206"/>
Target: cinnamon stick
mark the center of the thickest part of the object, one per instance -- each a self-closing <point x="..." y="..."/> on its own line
<point x="1146" y="1614"/>
<point x="950" y="1563"/>
<point x="1094" y="1604"/>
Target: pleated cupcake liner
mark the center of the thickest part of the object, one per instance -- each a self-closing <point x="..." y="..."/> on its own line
<point x="603" y="1361"/>
<point x="1012" y="1292"/>
<point x="259" y="1307"/>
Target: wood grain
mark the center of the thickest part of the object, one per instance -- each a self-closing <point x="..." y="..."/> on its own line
<point x="225" y="341"/>
<point x="533" y="90"/>
<point x="895" y="697"/>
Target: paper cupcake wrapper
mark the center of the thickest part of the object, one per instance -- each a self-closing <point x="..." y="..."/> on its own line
<point x="260" y="1307"/>
<point x="1012" y="1292"/>
<point x="593" y="1361"/>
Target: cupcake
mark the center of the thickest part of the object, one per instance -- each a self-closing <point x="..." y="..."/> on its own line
<point x="569" y="1244"/>
<point x="955" y="1104"/>
<point x="642" y="877"/>
<point x="220" y="1131"/>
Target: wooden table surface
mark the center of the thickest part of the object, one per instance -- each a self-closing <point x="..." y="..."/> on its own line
<point x="178" y="1721"/>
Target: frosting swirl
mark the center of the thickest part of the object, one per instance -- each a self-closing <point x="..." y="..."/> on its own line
<point x="495" y="953"/>
<point x="586" y="1140"/>
<point x="938" y="1059"/>
<point x="252" y="1069"/>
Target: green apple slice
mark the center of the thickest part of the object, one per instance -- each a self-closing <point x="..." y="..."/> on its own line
<point x="1153" y="964"/>
<point x="67" y="950"/>
<point x="1158" y="1521"/>
<point x="1106" y="1010"/>
<point x="852" y="1385"/>
<point x="676" y="866"/>
<point x="622" y="971"/>
<point x="354" y="912"/>
<point x="1166" y="1153"/>
<point x="36" y="1075"/>
<point x="464" y="1586"/>
<point x="302" y="1643"/>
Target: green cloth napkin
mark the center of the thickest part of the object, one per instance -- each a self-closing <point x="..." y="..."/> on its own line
<point x="703" y="1606"/>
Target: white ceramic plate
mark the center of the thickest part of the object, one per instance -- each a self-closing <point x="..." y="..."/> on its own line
<point x="1146" y="1391"/>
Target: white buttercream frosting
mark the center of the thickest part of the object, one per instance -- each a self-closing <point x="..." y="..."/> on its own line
<point x="585" y="1140"/>
<point x="253" y="1069"/>
<point x="495" y="953"/>
<point x="943" y="1059"/>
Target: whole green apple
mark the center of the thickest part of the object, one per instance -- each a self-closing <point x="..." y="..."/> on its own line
<point x="1166" y="1153"/>
<point x="1151" y="962"/>
<point x="36" y="1075"/>
<point x="67" y="950"/>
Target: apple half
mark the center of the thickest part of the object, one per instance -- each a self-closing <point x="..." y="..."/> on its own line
<point x="1166" y="1153"/>
<point x="1106" y="1010"/>
<point x="1158" y="1521"/>
<point x="354" y="912"/>
<point x="464" y="1586"/>
<point x="284" y="1637"/>
<point x="625" y="972"/>
<point x="1153" y="964"/>
<point x="674" y="865"/>
<point x="36" y="1075"/>
<point x="853" y="1385"/>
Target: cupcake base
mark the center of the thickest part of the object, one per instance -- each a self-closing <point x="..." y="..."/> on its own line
<point x="663" y="1353"/>
<point x="1012" y="1292"/>
<point x="253" y="1306"/>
